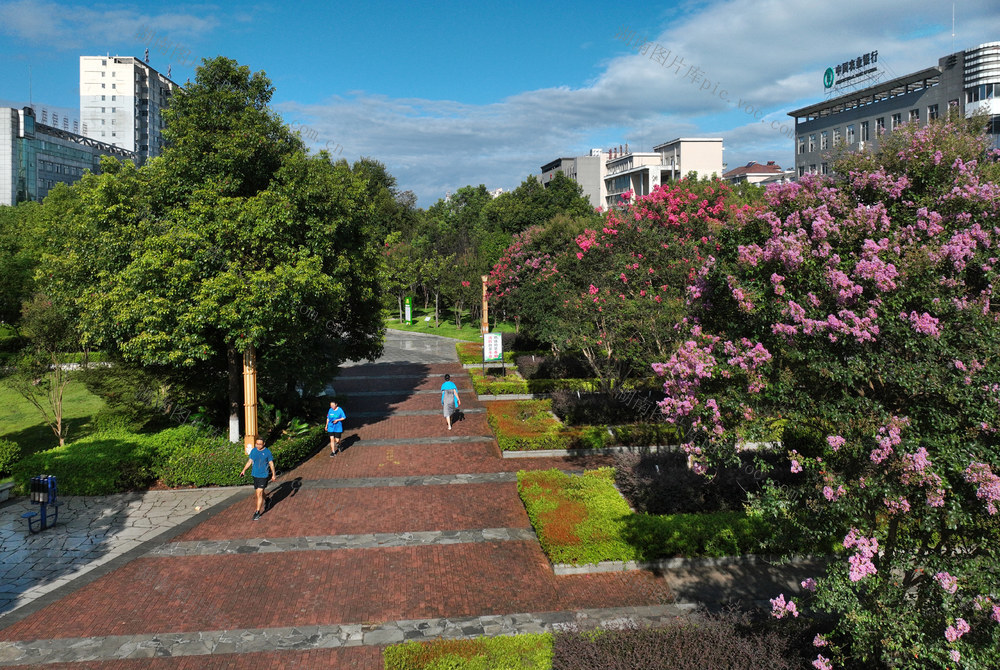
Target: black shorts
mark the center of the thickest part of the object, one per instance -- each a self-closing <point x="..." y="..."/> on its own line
<point x="260" y="482"/>
<point x="337" y="434"/>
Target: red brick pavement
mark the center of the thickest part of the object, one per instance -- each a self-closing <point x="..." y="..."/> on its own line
<point x="388" y="509"/>
<point x="356" y="658"/>
<point x="222" y="592"/>
<point x="281" y="589"/>
<point x="417" y="460"/>
<point x="422" y="383"/>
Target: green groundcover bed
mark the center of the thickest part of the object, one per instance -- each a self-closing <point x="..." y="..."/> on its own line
<point x="530" y="652"/>
<point x="117" y="460"/>
<point x="584" y="519"/>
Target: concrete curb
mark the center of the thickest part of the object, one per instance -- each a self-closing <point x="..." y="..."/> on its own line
<point x="675" y="564"/>
<point x="603" y="451"/>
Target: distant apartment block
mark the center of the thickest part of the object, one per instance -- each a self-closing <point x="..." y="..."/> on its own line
<point x="965" y="82"/>
<point x="641" y="172"/>
<point x="757" y="173"/>
<point x="122" y="100"/>
<point x="34" y="156"/>
<point x="588" y="171"/>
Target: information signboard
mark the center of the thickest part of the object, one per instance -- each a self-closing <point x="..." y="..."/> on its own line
<point x="492" y="348"/>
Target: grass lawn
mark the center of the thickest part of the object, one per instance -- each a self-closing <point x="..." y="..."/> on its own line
<point x="20" y="422"/>
<point x="447" y="328"/>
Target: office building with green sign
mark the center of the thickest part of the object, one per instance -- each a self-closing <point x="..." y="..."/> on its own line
<point x="967" y="82"/>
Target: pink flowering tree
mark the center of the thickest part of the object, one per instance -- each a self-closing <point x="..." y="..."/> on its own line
<point x="861" y="310"/>
<point x="615" y="292"/>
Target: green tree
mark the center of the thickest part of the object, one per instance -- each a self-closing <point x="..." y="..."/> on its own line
<point x="41" y="374"/>
<point x="233" y="238"/>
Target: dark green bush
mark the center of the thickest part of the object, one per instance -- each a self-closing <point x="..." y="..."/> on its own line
<point x="98" y="464"/>
<point x="729" y="640"/>
<point x="10" y="453"/>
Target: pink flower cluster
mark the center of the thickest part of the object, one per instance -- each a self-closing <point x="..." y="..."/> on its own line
<point x="915" y="471"/>
<point x="822" y="663"/>
<point x="887" y="438"/>
<point x="861" y="562"/>
<point x="835" y="442"/>
<point x="989" y="484"/>
<point x="898" y="505"/>
<point x="780" y="608"/>
<point x="924" y="323"/>
<point x="947" y="582"/>
<point x="952" y="633"/>
<point x="749" y="357"/>
<point x="834" y="494"/>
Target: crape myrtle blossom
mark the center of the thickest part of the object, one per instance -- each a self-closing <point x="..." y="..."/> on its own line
<point x="872" y="294"/>
<point x="780" y="608"/>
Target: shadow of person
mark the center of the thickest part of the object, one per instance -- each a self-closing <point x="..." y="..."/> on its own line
<point x="347" y="442"/>
<point x="285" y="490"/>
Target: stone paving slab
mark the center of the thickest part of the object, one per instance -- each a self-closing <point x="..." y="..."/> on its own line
<point x="335" y="542"/>
<point x="353" y="657"/>
<point x="389" y="509"/>
<point x="91" y="532"/>
<point x="255" y="641"/>
<point x="360" y="386"/>
<point x="308" y="588"/>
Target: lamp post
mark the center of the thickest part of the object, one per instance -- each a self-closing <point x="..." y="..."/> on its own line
<point x="486" y="316"/>
<point x="249" y="397"/>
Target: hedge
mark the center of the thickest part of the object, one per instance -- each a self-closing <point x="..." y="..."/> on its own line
<point x="585" y="520"/>
<point x="527" y="652"/>
<point x="118" y="460"/>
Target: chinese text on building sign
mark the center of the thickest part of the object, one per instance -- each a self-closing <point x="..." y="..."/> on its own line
<point x="492" y="347"/>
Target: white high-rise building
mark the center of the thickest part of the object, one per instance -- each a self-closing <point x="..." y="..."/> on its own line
<point x="121" y="103"/>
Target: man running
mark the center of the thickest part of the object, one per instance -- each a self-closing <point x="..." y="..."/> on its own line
<point x="335" y="427"/>
<point x="260" y="461"/>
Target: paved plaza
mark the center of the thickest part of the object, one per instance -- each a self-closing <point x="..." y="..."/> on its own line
<point x="412" y="532"/>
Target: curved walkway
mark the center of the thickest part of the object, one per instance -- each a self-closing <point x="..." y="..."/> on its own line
<point x="413" y="532"/>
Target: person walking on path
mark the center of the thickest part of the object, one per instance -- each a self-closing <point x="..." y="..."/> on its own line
<point x="449" y="399"/>
<point x="261" y="464"/>
<point x="335" y="427"/>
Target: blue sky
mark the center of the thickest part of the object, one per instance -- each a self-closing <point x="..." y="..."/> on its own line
<point x="454" y="93"/>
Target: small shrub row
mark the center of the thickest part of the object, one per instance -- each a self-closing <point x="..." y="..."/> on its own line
<point x="472" y="352"/>
<point x="118" y="460"/>
<point x="514" y="383"/>
<point x="527" y="425"/>
<point x="10" y="453"/>
<point x="662" y="483"/>
<point x="99" y="464"/>
<point x="585" y="520"/>
<point x="541" y="366"/>
<point x="524" y="652"/>
<point x="729" y="640"/>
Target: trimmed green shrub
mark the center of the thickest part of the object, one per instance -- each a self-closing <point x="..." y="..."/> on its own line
<point x="527" y="652"/>
<point x="10" y="453"/>
<point x="98" y="464"/>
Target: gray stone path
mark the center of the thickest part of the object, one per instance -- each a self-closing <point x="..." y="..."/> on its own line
<point x="244" y="641"/>
<point x="91" y="532"/>
<point x="337" y="542"/>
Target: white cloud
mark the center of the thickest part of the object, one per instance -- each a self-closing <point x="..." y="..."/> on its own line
<point x="72" y="27"/>
<point x="769" y="54"/>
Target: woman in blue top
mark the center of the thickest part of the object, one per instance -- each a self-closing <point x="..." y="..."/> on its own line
<point x="449" y="399"/>
<point x="335" y="427"/>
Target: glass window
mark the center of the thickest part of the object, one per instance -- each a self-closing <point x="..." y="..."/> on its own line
<point x="836" y="136"/>
<point x="864" y="131"/>
<point x="850" y="134"/>
<point x="880" y="125"/>
<point x="812" y="142"/>
<point x="914" y="115"/>
<point x="802" y="170"/>
<point x="802" y="145"/>
<point x="824" y="140"/>
<point x="932" y="112"/>
<point x="812" y="169"/>
<point x="895" y="121"/>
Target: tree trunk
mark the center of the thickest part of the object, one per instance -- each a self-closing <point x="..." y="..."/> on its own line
<point x="437" y="296"/>
<point x="399" y="299"/>
<point x="235" y="364"/>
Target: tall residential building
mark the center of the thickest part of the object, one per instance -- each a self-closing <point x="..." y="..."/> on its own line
<point x="34" y="156"/>
<point x="122" y="100"/>
<point x="588" y="171"/>
<point x="966" y="82"/>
